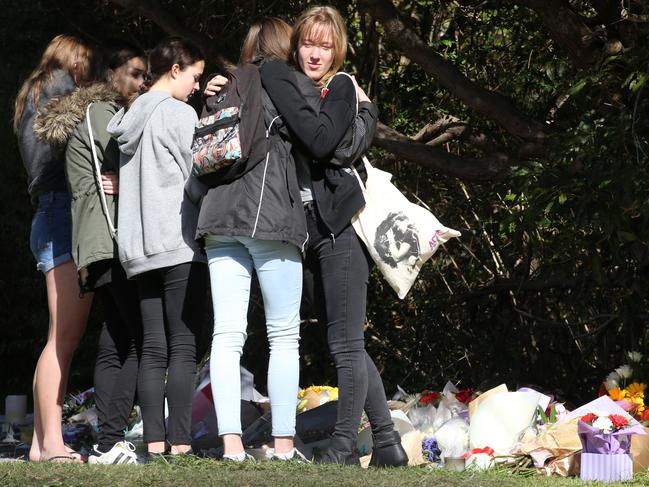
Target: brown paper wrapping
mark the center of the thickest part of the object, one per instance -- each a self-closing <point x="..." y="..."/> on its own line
<point x="565" y="466"/>
<point x="559" y="445"/>
<point x="411" y="442"/>
<point x="640" y="451"/>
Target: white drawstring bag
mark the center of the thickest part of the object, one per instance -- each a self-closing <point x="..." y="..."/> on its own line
<point x="399" y="235"/>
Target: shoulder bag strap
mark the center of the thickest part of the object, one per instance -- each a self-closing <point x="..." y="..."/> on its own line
<point x="97" y="172"/>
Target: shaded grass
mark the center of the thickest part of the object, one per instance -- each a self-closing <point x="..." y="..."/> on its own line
<point x="202" y="473"/>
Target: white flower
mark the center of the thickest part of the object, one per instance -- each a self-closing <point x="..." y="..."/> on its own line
<point x="603" y="423"/>
<point x="613" y="376"/>
<point x="624" y="372"/>
<point x="612" y="381"/>
<point x="634" y="356"/>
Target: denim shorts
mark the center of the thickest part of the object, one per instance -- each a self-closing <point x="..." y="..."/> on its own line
<point x="51" y="235"/>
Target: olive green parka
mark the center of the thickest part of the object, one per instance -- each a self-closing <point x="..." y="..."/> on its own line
<point x="63" y="123"/>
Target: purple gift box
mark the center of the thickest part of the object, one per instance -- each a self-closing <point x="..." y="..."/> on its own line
<point x="605" y="467"/>
<point x="605" y="456"/>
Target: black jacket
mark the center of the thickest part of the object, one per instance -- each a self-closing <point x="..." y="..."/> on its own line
<point x="44" y="166"/>
<point x="265" y="202"/>
<point x="322" y="137"/>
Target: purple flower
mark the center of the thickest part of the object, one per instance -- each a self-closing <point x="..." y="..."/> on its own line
<point x="430" y="449"/>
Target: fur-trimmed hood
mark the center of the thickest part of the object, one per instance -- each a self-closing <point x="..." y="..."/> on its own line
<point x="56" y="121"/>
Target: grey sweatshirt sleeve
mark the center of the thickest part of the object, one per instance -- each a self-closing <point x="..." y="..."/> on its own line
<point x="179" y="134"/>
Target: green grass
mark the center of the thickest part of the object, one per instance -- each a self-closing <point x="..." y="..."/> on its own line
<point x="203" y="473"/>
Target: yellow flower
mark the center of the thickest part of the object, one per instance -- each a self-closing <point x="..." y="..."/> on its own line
<point x="315" y="396"/>
<point x="639" y="400"/>
<point x="636" y="389"/>
<point x="333" y="391"/>
<point x="617" y="394"/>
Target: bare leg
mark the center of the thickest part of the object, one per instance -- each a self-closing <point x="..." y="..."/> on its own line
<point x="232" y="444"/>
<point x="283" y="444"/>
<point x="180" y="449"/>
<point x="68" y="317"/>
<point x="156" y="447"/>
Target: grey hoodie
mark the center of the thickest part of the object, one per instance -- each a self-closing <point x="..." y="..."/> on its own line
<point x="156" y="220"/>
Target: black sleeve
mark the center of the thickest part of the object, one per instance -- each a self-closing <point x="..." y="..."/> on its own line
<point x="319" y="132"/>
<point x="364" y="129"/>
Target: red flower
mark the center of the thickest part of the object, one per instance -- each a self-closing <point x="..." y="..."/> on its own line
<point x="427" y="398"/>
<point x="588" y="418"/>
<point x="464" y="395"/>
<point x="324" y="92"/>
<point x="618" y="420"/>
<point x="643" y="416"/>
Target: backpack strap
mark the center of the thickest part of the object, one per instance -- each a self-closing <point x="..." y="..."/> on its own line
<point x="97" y="173"/>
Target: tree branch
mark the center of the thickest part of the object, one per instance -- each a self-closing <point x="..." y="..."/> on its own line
<point x="567" y="29"/>
<point x="432" y="131"/>
<point x="465" y="168"/>
<point x="156" y="13"/>
<point x="495" y="106"/>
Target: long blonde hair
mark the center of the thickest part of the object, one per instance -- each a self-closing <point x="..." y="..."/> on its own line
<point x="66" y="52"/>
<point x="315" y="23"/>
<point x="270" y="37"/>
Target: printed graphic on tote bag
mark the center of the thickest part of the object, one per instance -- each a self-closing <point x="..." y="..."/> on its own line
<point x="397" y="242"/>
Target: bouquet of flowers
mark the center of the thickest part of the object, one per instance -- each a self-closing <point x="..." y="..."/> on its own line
<point x="626" y="387"/>
<point x="315" y="396"/>
<point x="430" y="449"/>
<point x="75" y="405"/>
<point x="601" y="432"/>
<point x="606" y="442"/>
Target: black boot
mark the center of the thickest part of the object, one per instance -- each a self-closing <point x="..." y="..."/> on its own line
<point x="387" y="451"/>
<point x="341" y="451"/>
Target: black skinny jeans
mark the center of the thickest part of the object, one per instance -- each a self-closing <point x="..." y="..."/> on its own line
<point x="339" y="270"/>
<point x="117" y="363"/>
<point x="172" y="302"/>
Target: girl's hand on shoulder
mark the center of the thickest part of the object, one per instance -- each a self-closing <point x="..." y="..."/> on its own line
<point x="360" y="92"/>
<point x="110" y="183"/>
<point x="215" y="85"/>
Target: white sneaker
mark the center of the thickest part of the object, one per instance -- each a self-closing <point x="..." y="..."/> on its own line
<point x="121" y="453"/>
<point x="293" y="456"/>
<point x="241" y="457"/>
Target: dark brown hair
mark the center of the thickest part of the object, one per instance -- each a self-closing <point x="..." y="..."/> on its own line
<point x="170" y="51"/>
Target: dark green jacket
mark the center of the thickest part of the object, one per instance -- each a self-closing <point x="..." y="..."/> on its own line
<point x="64" y="123"/>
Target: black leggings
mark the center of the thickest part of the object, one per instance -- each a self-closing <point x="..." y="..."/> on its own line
<point x="339" y="270"/>
<point x="117" y="362"/>
<point x="172" y="302"/>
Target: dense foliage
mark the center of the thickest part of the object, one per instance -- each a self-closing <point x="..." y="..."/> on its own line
<point x="548" y="284"/>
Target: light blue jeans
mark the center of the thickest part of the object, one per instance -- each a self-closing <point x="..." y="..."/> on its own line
<point x="279" y="269"/>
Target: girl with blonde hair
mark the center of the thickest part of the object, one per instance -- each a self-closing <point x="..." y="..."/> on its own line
<point x="331" y="197"/>
<point x="65" y="64"/>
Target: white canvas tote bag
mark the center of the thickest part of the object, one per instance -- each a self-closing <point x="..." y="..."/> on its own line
<point x="399" y="235"/>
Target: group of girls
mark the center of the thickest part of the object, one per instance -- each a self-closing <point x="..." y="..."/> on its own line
<point x="287" y="219"/>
